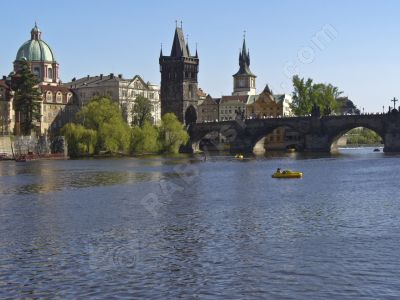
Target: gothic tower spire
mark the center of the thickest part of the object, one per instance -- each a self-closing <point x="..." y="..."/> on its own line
<point x="179" y="80"/>
<point x="244" y="79"/>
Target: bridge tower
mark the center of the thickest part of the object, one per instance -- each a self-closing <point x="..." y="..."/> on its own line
<point x="179" y="80"/>
<point x="244" y="81"/>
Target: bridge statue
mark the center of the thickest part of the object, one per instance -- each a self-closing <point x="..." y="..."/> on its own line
<point x="320" y="134"/>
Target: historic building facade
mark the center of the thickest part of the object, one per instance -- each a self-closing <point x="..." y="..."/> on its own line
<point x="57" y="105"/>
<point x="268" y="105"/>
<point x="122" y="91"/>
<point x="7" y="117"/>
<point x="232" y="107"/>
<point x="179" y="80"/>
<point x="208" y="110"/>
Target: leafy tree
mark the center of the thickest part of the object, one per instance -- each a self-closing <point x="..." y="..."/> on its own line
<point x="27" y="98"/>
<point x="303" y="100"/>
<point x="307" y="94"/>
<point x="81" y="141"/>
<point x="114" y="137"/>
<point x="172" y="134"/>
<point x="363" y="136"/>
<point x="104" y="116"/>
<point x="145" y="139"/>
<point x="141" y="111"/>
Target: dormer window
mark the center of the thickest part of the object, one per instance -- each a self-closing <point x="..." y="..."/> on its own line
<point x="59" y="97"/>
<point x="49" y="96"/>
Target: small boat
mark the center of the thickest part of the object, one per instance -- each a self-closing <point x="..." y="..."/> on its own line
<point x="239" y="156"/>
<point x="377" y="150"/>
<point x="291" y="150"/>
<point x="287" y="174"/>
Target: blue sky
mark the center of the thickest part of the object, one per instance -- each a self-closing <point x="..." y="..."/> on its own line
<point x="93" y="37"/>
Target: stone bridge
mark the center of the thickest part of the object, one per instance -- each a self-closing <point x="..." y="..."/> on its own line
<point x="320" y="134"/>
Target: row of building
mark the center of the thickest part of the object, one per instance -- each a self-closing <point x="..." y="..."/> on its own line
<point x="179" y="92"/>
<point x="60" y="102"/>
<point x="179" y="79"/>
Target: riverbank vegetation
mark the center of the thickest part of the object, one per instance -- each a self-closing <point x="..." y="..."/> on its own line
<point x="100" y="128"/>
<point x="363" y="136"/>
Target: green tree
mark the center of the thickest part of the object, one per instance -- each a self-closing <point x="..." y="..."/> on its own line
<point x="27" y="98"/>
<point x="114" y="137"/>
<point x="363" y="136"/>
<point x="307" y="94"/>
<point x="104" y="116"/>
<point x="303" y="99"/>
<point x="145" y="139"/>
<point x="172" y="133"/>
<point x="141" y="111"/>
<point x="80" y="140"/>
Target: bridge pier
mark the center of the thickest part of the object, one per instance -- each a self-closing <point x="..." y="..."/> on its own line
<point x="392" y="142"/>
<point x="317" y="143"/>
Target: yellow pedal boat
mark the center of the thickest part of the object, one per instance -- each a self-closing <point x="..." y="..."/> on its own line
<point x="287" y="174"/>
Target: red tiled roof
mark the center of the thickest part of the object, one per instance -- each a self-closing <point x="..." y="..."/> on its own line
<point x="233" y="98"/>
<point x="201" y="93"/>
<point x="57" y="88"/>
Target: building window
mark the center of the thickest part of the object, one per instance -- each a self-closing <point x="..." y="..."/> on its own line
<point x="59" y="97"/>
<point x="50" y="73"/>
<point x="49" y="97"/>
<point x="36" y="71"/>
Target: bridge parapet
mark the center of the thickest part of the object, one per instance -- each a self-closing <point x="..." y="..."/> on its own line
<point x="320" y="133"/>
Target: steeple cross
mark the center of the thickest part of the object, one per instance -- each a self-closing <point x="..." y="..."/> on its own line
<point x="394" y="101"/>
<point x="244" y="34"/>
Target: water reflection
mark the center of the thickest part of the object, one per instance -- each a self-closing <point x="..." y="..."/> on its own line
<point x="223" y="228"/>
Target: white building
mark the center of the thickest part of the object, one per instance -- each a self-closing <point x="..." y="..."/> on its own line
<point x="231" y="106"/>
<point x="123" y="91"/>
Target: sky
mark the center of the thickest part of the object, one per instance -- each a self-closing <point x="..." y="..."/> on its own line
<point x="359" y="53"/>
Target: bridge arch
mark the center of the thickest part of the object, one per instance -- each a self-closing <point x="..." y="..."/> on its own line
<point x="277" y="137"/>
<point x="334" y="138"/>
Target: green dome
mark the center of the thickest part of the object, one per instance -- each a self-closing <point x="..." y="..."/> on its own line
<point x="35" y="49"/>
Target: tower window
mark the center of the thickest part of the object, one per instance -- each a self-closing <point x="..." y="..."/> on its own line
<point x="50" y="73"/>
<point x="36" y="71"/>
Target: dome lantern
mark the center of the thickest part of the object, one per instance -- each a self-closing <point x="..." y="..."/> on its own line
<point x="36" y="33"/>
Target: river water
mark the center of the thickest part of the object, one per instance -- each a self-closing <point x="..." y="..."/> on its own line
<point x="182" y="228"/>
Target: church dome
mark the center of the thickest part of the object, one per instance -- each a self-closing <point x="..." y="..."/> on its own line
<point x="35" y="49"/>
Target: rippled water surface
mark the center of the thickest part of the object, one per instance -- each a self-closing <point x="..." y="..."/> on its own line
<point x="179" y="227"/>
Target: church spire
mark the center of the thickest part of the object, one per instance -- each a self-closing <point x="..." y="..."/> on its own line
<point x="179" y="46"/>
<point x="187" y="45"/>
<point x="244" y="59"/>
<point x="244" y="43"/>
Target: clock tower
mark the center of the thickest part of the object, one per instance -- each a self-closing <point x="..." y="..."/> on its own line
<point x="244" y="81"/>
